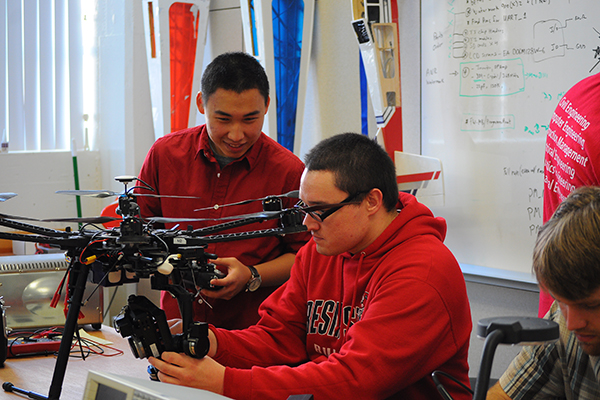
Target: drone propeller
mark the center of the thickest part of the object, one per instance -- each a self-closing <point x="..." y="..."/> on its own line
<point x="6" y="196"/>
<point x="124" y="179"/>
<point x="258" y="215"/>
<point x="101" y="194"/>
<point x="85" y="220"/>
<point x="293" y="194"/>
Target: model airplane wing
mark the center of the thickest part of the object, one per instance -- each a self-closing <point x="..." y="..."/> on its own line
<point x="421" y="176"/>
<point x="6" y="196"/>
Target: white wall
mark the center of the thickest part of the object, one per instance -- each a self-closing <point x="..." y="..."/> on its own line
<point x="35" y="177"/>
<point x="124" y="114"/>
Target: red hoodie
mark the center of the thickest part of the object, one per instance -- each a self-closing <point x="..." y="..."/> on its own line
<point x="405" y="314"/>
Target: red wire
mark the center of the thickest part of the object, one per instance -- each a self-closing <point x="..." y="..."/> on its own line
<point x="45" y="334"/>
<point x="88" y="245"/>
<point x="118" y="352"/>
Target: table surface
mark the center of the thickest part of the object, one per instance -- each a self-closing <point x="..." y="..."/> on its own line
<point x="35" y="374"/>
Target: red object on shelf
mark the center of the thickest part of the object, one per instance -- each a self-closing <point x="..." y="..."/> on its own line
<point x="183" y="35"/>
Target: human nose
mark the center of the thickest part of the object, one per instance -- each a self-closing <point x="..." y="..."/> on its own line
<point x="311" y="223"/>
<point x="575" y="318"/>
<point x="236" y="133"/>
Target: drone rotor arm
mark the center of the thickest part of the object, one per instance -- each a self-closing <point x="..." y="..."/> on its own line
<point x="64" y="243"/>
<point x="246" y="218"/>
<point x="250" y="219"/>
<point x="83" y="220"/>
<point x="10" y="217"/>
<point x="32" y="228"/>
<point x="229" y="237"/>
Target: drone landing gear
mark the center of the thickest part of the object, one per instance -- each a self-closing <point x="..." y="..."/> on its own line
<point x="79" y="274"/>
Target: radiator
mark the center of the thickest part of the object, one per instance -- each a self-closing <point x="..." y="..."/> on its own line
<point x="28" y="284"/>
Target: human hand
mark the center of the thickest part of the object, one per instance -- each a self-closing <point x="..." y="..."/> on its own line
<point x="237" y="277"/>
<point x="179" y="369"/>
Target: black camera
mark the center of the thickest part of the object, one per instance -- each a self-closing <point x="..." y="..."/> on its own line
<point x="145" y="326"/>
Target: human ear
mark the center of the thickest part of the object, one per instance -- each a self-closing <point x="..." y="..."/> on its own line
<point x="199" y="103"/>
<point x="374" y="200"/>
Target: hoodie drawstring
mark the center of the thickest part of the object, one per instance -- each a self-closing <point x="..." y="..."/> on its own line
<point x="354" y="293"/>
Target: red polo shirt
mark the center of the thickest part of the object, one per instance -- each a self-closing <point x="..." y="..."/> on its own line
<point x="182" y="163"/>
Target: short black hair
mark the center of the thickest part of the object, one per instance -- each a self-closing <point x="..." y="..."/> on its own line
<point x="358" y="163"/>
<point x="237" y="71"/>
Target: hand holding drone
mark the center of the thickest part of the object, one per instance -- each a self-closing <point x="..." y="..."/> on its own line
<point x="174" y="259"/>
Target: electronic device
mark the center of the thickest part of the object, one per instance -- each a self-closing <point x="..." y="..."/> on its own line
<point x="173" y="259"/>
<point x="28" y="284"/>
<point x="106" y="386"/>
<point x="145" y="326"/>
<point x="24" y="347"/>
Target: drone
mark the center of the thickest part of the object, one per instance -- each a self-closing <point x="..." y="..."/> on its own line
<point x="174" y="259"/>
<point x="139" y="247"/>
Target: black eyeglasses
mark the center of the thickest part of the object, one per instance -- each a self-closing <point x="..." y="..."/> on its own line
<point x="321" y="211"/>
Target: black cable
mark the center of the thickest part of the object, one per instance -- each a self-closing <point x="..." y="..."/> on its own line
<point x="95" y="226"/>
<point x="87" y="345"/>
<point x="110" y="302"/>
<point x="440" y="387"/>
<point x="98" y="285"/>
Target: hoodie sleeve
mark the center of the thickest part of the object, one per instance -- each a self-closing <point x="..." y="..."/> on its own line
<point x="281" y="330"/>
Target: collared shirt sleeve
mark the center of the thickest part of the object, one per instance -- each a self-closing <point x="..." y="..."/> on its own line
<point x="535" y="371"/>
<point x="554" y="370"/>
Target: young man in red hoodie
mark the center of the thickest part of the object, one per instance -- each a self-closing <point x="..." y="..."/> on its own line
<point x="375" y="302"/>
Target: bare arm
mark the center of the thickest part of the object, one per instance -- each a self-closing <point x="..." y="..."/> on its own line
<point x="277" y="271"/>
<point x="496" y="393"/>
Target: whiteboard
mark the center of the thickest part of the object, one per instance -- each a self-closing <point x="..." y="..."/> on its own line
<point x="492" y="74"/>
